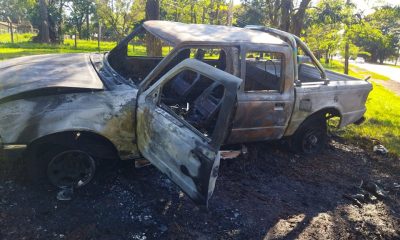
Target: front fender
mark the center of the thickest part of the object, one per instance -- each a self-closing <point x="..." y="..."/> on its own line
<point x="109" y="114"/>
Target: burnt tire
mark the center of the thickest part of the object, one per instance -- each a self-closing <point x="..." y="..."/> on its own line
<point x="310" y="137"/>
<point x="61" y="166"/>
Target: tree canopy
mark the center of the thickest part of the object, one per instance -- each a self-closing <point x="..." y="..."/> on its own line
<point x="328" y="26"/>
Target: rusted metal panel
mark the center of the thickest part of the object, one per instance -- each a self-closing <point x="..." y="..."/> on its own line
<point x="263" y="115"/>
<point x="347" y="97"/>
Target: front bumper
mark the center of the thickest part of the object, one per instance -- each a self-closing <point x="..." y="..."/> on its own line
<point x="11" y="151"/>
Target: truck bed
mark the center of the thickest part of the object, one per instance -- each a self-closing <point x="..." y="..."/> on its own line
<point x="308" y="73"/>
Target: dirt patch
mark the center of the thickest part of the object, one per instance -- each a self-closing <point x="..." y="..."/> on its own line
<point x="390" y="84"/>
<point x="272" y="194"/>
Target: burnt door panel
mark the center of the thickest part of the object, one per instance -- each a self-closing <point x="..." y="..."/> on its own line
<point x="172" y="144"/>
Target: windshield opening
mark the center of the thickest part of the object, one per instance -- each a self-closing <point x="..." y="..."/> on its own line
<point x="138" y="54"/>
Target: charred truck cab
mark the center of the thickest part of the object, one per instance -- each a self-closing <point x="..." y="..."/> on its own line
<point x="209" y="86"/>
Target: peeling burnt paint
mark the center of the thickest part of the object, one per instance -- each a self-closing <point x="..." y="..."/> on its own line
<point x="27" y="117"/>
<point x="51" y="94"/>
<point x="189" y="158"/>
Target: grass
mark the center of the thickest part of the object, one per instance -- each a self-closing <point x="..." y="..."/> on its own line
<point x="392" y="65"/>
<point x="354" y="71"/>
<point x="24" y="46"/>
<point x="382" y="120"/>
<point x="18" y="37"/>
<point x="383" y="106"/>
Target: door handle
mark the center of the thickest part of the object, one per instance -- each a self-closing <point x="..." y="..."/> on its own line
<point x="279" y="106"/>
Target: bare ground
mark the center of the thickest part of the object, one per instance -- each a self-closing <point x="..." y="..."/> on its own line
<point x="273" y="194"/>
<point x="390" y="84"/>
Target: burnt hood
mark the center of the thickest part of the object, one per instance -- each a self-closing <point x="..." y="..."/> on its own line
<point x="27" y="74"/>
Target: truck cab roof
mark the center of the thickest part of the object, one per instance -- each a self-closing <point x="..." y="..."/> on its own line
<point x="175" y="33"/>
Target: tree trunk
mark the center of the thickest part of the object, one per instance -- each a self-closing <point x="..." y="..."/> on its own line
<point x="11" y="29"/>
<point x="298" y="18"/>
<point x="99" y="36"/>
<point x="346" y="48"/>
<point x="230" y="13"/>
<point x="374" y="58"/>
<point x="274" y="13"/>
<point x="75" y="40"/>
<point x="44" y="26"/>
<point x="60" y="23"/>
<point x="191" y="13"/>
<point x="211" y="13"/>
<point x="286" y="8"/>
<point x="346" y="57"/>
<point x="203" y="17"/>
<point x="87" y="24"/>
<point x="326" y="56"/>
<point x="79" y="27"/>
<point x="217" y="14"/>
<point x="154" y="47"/>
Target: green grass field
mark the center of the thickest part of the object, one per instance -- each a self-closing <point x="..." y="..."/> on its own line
<point x="383" y="114"/>
<point x="353" y="70"/>
<point x="392" y="65"/>
<point x="24" y="46"/>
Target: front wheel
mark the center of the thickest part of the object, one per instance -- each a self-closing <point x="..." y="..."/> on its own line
<point x="71" y="168"/>
<point x="61" y="166"/>
<point x="311" y="136"/>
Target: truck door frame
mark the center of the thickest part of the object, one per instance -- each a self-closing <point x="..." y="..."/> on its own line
<point x="264" y="115"/>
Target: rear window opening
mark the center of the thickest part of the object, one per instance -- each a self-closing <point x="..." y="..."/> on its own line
<point x="263" y="71"/>
<point x="133" y="60"/>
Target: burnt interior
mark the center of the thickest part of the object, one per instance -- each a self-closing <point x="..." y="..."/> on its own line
<point x="136" y="68"/>
<point x="263" y="71"/>
<point x="195" y="98"/>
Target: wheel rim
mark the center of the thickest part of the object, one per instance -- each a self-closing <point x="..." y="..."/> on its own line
<point x="312" y="142"/>
<point x="72" y="168"/>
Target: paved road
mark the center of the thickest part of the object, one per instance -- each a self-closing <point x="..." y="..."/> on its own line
<point x="391" y="72"/>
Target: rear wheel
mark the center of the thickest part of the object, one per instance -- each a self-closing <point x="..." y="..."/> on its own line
<point x="311" y="136"/>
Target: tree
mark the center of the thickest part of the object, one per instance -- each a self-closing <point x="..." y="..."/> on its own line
<point x="298" y="18"/>
<point x="153" y="45"/>
<point x="16" y="10"/>
<point x="80" y="11"/>
<point x="378" y="33"/>
<point x="324" y="27"/>
<point x="120" y="15"/>
<point x="282" y="14"/>
<point x="44" y="19"/>
<point x="346" y="16"/>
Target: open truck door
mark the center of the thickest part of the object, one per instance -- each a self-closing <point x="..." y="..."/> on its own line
<point x="182" y="137"/>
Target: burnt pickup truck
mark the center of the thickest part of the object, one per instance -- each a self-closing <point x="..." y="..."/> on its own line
<point x="209" y="87"/>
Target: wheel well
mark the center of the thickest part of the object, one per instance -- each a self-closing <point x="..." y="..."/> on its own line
<point x="92" y="143"/>
<point x="327" y="113"/>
